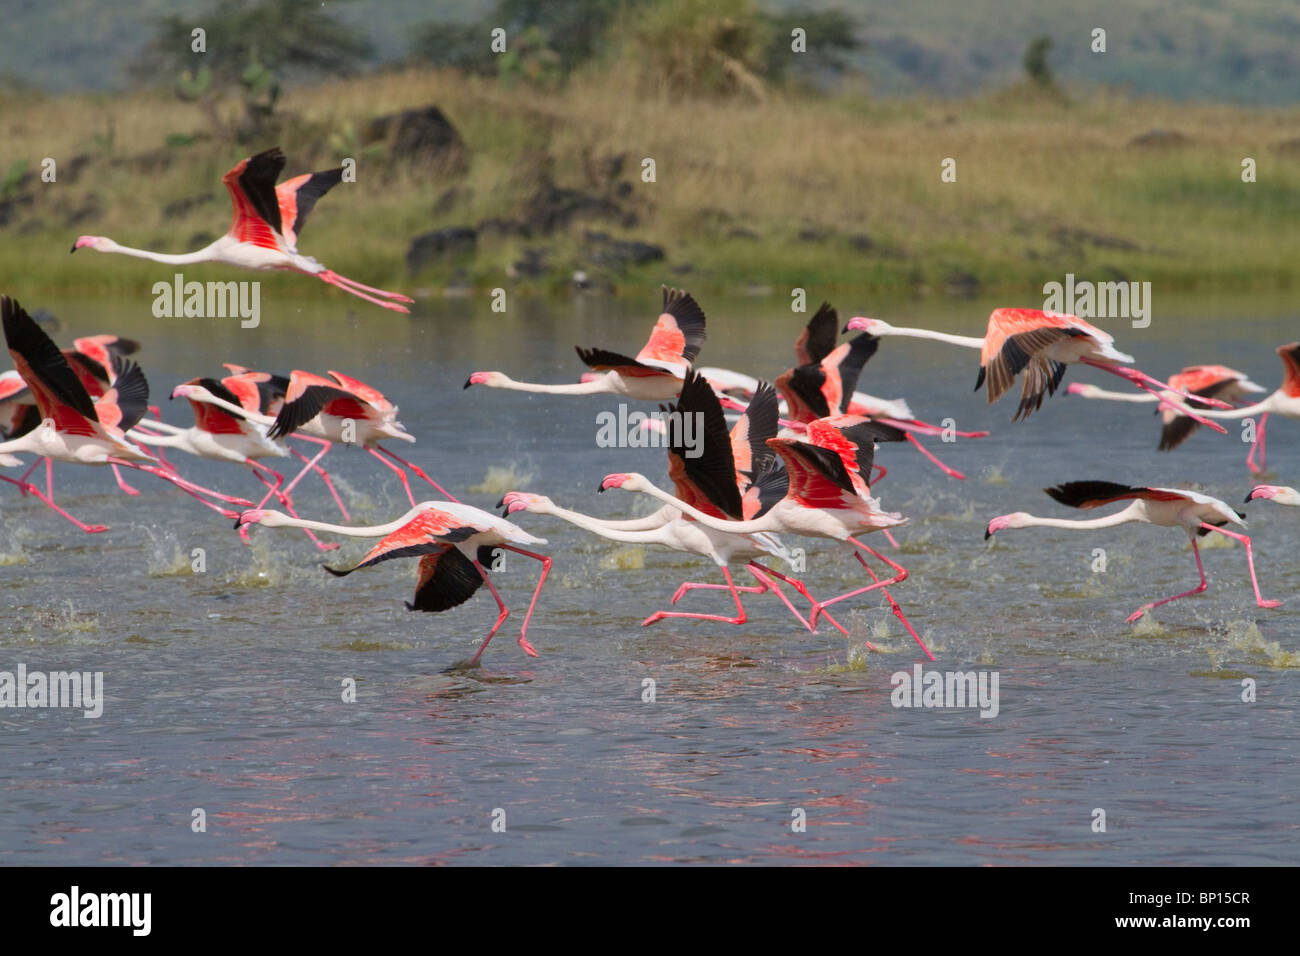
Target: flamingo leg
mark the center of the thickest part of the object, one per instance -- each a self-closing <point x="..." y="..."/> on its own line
<point x="334" y="279"/>
<point x="22" y="488"/>
<point x="121" y="482"/>
<point x="1196" y="590"/>
<point x="950" y="472"/>
<point x="298" y="477"/>
<point x="371" y="289"/>
<point x="882" y="585"/>
<point x="1250" y="563"/>
<point x="731" y="586"/>
<point x="1145" y="382"/>
<point x="285" y="501"/>
<point x="324" y="476"/>
<point x="1257" y="445"/>
<point x="49" y="502"/>
<point x="546" y="569"/>
<point x="419" y="472"/>
<point x="398" y="471"/>
<point x="505" y="612"/>
<point x="755" y="568"/>
<point x="194" y="491"/>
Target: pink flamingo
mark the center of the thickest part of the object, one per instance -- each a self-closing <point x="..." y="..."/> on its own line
<point x="828" y="497"/>
<point x="1210" y="381"/>
<point x="74" y="428"/>
<point x="265" y="226"/>
<point x="655" y="374"/>
<point x="1040" y="344"/>
<point x="730" y="476"/>
<point x="449" y="537"/>
<point x="1195" y="513"/>
<point x="1285" y="402"/>
<point x="1278" y="493"/>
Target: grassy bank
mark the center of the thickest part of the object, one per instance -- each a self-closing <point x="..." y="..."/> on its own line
<point x="826" y="193"/>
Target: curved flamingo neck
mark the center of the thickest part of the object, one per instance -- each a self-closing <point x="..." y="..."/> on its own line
<point x="202" y="255"/>
<point x="1267" y="405"/>
<point x="650" y="535"/>
<point x="765" y="523"/>
<point x="594" y="387"/>
<point x="1134" y="512"/>
<point x="352" y="531"/>
<point x="1136" y="397"/>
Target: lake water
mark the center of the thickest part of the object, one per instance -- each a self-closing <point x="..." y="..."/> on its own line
<point x="224" y="688"/>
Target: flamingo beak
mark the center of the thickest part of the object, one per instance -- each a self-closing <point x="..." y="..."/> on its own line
<point x="987" y="534"/>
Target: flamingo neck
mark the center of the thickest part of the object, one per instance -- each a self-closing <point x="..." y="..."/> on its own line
<point x="648" y="535"/>
<point x="202" y="255"/>
<point x="1267" y="405"/>
<point x="594" y="387"/>
<point x="351" y="531"/>
<point x="764" y="523"/>
<point x="1133" y="512"/>
<point x="963" y="340"/>
<point x="1136" y="397"/>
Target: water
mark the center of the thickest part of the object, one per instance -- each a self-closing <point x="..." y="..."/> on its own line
<point x="224" y="688"/>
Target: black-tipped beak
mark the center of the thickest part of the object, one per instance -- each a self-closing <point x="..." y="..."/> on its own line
<point x="987" y="534"/>
<point x="600" y="489"/>
<point x="469" y="381"/>
<point x="74" y="248"/>
<point x="845" y="330"/>
<point x="237" y="520"/>
<point x="1250" y="496"/>
<point x="502" y="502"/>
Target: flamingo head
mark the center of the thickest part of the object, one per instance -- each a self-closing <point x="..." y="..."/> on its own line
<point x="99" y="243"/>
<point x="521" y="501"/>
<point x="491" y="379"/>
<point x="1016" y="519"/>
<point x="263" y="516"/>
<point x="191" y="390"/>
<point x="628" y="481"/>
<point x="1279" y="493"/>
<point x="1079" y="388"/>
<point x="860" y="323"/>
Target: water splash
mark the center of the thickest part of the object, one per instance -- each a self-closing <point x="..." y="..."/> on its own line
<point x="499" y="480"/>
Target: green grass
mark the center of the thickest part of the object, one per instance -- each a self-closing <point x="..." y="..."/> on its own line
<point x="1044" y="187"/>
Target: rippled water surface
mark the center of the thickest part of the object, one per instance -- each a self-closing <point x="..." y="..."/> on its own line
<point x="224" y="688"/>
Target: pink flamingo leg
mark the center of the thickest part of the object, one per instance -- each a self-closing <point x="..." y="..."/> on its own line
<point x="196" y="492"/>
<point x="898" y="612"/>
<point x="371" y="289"/>
<point x="121" y="482"/>
<point x="950" y="472"/>
<point x="505" y="612"/>
<point x="324" y="477"/>
<point x="1258" y="444"/>
<point x="528" y="615"/>
<point x="754" y="569"/>
<point x="731" y="587"/>
<point x="286" y="502"/>
<point x="896" y="579"/>
<point x="22" y="488"/>
<point x="1250" y="563"/>
<point x="335" y="280"/>
<point x="325" y="446"/>
<point x="397" y="471"/>
<point x="926" y="428"/>
<point x="88" y="528"/>
<point x="1196" y="590"/>
<point x="419" y="472"/>
<point x="1145" y="381"/>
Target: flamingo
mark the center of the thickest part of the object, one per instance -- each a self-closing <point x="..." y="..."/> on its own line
<point x="721" y="480"/>
<point x="1279" y="493"/>
<point x="1212" y="381"/>
<point x="224" y="436"/>
<point x="264" y="228"/>
<point x="655" y="374"/>
<point x="1040" y="344"/>
<point x="1197" y="514"/>
<point x="449" y="538"/>
<point x="827" y="497"/>
<point x="73" y="427"/>
<point x="824" y="385"/>
<point x="1285" y="402"/>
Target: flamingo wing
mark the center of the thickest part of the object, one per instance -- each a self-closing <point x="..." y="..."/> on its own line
<point x="362" y="390"/>
<point x="818" y="336"/>
<point x="296" y="197"/>
<point x="603" y="360"/>
<point x="749" y="448"/>
<point x="12" y="385"/>
<point x="446" y="579"/>
<point x="678" y="335"/>
<point x="1017" y="345"/>
<point x="706" y="464"/>
<point x="125" y="403"/>
<point x="1178" y="427"/>
<point x="817" y="477"/>
<point x="256" y="212"/>
<point x="314" y="400"/>
<point x="1093" y="494"/>
<point x="102" y="348"/>
<point x="429" y="532"/>
<point x="1290" y="355"/>
<point x="58" y="392"/>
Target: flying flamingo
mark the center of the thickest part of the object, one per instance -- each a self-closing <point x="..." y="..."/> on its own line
<point x="1040" y="344"/>
<point x="74" y="428"/>
<point x="1195" y="513"/>
<point x="654" y="375"/>
<point x="721" y="480"/>
<point x="825" y="385"/>
<point x="1279" y="493"/>
<point x="1211" y="381"/>
<point x="224" y="436"/>
<point x="828" y="497"/>
<point x="265" y="227"/>
<point x="449" y="538"/>
<point x="1285" y="402"/>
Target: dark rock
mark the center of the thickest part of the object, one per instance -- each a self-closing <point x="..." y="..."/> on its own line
<point x="440" y="244"/>
<point x="179" y="207"/>
<point x="553" y="207"/>
<point x="504" y="227"/>
<point x="740" y="232"/>
<point x="962" y="284"/>
<point x="1159" y="139"/>
<point x="813" y="234"/>
<point x="200" y="239"/>
<point x="532" y="266"/>
<point x="862" y="242"/>
<point x="1068" y="236"/>
<point x="420" y="137"/>
<point x="88" y="210"/>
<point x="449" y="199"/>
<point x="619" y="254"/>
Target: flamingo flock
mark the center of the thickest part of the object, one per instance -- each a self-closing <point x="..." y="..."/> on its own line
<point x="752" y="465"/>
